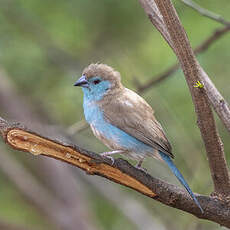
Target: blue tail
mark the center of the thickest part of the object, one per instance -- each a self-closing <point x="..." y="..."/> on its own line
<point x="179" y="176"/>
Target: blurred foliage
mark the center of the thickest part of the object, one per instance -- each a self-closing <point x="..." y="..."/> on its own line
<point x="44" y="45"/>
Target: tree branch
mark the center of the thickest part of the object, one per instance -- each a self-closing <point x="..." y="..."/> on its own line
<point x="20" y="138"/>
<point x="205" y="12"/>
<point x="70" y="202"/>
<point x="217" y="34"/>
<point x="193" y="74"/>
<point x="220" y="105"/>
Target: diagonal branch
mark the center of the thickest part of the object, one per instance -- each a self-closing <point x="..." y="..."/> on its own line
<point x="205" y="12"/>
<point x="20" y="138"/>
<point x="218" y="102"/>
<point x="217" y="34"/>
<point x="193" y="74"/>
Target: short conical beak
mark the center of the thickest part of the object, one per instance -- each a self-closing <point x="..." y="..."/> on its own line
<point x="82" y="82"/>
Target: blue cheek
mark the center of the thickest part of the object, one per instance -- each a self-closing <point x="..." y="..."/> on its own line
<point x="96" y="92"/>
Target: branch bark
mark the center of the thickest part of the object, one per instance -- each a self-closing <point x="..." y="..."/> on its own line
<point x="193" y="74"/>
<point x="20" y="138"/>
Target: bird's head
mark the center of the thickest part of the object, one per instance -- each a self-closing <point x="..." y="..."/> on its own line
<point x="98" y="80"/>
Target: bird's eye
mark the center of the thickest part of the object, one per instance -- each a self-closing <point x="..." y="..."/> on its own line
<point x="97" y="81"/>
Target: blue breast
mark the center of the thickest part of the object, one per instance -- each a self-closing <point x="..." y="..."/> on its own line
<point x="94" y="116"/>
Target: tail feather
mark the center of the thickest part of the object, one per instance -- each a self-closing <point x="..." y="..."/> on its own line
<point x="179" y="176"/>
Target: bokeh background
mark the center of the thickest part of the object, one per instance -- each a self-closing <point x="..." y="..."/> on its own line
<point x="44" y="45"/>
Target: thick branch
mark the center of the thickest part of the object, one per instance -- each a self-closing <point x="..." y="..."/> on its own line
<point x="20" y="138"/>
<point x="193" y="73"/>
<point x="217" y="34"/>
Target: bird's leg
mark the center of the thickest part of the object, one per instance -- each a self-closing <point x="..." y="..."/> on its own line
<point x="138" y="165"/>
<point x="108" y="154"/>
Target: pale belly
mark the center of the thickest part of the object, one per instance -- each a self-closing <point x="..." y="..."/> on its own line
<point x="116" y="139"/>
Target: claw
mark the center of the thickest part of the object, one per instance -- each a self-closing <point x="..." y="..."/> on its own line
<point x="109" y="157"/>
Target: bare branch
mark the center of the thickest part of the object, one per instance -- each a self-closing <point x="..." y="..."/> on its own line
<point x="217" y="34"/>
<point x="206" y="13"/>
<point x="193" y="74"/>
<point x="20" y="138"/>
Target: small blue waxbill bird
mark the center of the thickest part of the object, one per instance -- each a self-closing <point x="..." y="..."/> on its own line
<point x="123" y="120"/>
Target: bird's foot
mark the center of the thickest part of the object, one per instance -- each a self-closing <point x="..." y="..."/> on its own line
<point x="109" y="157"/>
<point x="108" y="154"/>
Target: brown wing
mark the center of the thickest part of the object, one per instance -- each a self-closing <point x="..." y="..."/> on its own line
<point x="131" y="113"/>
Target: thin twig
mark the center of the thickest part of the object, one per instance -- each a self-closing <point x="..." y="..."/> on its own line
<point x="217" y="34"/>
<point x="20" y="138"/>
<point x="206" y="13"/>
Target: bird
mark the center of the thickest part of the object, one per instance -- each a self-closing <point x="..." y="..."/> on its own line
<point x="123" y="120"/>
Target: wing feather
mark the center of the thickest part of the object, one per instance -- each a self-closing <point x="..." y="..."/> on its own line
<point x="132" y="114"/>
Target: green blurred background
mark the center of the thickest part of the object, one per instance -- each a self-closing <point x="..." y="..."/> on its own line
<point x="44" y="45"/>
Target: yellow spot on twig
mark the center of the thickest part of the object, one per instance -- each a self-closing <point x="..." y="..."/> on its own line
<point x="199" y="85"/>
